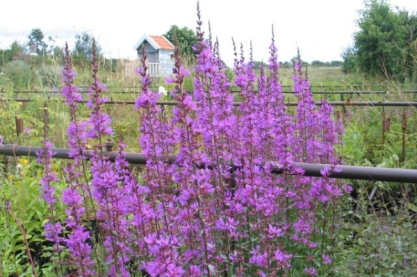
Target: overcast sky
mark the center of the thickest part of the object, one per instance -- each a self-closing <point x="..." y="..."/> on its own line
<point x="320" y="28"/>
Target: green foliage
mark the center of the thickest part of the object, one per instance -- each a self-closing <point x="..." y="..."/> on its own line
<point x="379" y="44"/>
<point x="373" y="242"/>
<point x="286" y="64"/>
<point x="30" y="73"/>
<point x="349" y="60"/>
<point x="186" y="38"/>
<point x="14" y="52"/>
<point x="380" y="29"/>
<point x="36" y="43"/>
<point x="21" y="209"/>
<point x="378" y="236"/>
<point x="20" y="73"/>
<point x="326" y="64"/>
<point x="58" y="53"/>
<point x="83" y="49"/>
<point x="110" y="65"/>
<point x="410" y="61"/>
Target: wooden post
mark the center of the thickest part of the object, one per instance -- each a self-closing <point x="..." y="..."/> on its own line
<point x="343" y="99"/>
<point x="19" y="125"/>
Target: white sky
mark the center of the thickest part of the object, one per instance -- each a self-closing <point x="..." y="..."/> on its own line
<point x="320" y="28"/>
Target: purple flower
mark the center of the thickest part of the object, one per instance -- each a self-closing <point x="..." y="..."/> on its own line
<point x="347" y="188"/>
<point x="52" y="233"/>
<point x="326" y="259"/>
<point x="257" y="258"/>
<point x="311" y="271"/>
<point x="332" y="189"/>
<point x="146" y="99"/>
<point x="169" y="80"/>
<point x="49" y="177"/>
<point x="68" y="75"/>
<point x="81" y="251"/>
<point x="325" y="171"/>
<point x="274" y="231"/>
<point x="181" y="215"/>
<point x="71" y="197"/>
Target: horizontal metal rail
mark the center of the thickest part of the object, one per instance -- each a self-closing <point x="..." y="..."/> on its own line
<point x="173" y="103"/>
<point x="315" y="86"/>
<point x="345" y="172"/>
<point x="324" y="92"/>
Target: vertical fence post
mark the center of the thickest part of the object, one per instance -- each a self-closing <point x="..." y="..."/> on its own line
<point x="383" y="127"/>
<point x="19" y="125"/>
<point x="404" y="129"/>
<point x="343" y="100"/>
<point x="386" y="122"/>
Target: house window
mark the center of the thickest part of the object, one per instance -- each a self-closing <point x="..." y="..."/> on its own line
<point x="172" y="56"/>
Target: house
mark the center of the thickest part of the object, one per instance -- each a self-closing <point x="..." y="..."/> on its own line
<point x="160" y="53"/>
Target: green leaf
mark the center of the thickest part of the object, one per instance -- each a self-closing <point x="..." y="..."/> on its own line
<point x="412" y="207"/>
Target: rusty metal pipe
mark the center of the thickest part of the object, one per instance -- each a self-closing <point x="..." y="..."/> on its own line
<point x="173" y="103"/>
<point x="347" y="172"/>
<point x="323" y="92"/>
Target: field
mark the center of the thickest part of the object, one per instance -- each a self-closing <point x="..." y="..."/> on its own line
<point x="218" y="210"/>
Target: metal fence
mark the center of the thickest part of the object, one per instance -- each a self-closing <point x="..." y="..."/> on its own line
<point x="173" y="103"/>
<point x="319" y="92"/>
<point x="313" y="170"/>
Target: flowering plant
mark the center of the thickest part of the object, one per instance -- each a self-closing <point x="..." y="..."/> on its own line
<point x="217" y="208"/>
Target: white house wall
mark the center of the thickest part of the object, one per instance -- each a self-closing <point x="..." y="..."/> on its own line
<point x="166" y="62"/>
<point x="151" y="52"/>
<point x="159" y="60"/>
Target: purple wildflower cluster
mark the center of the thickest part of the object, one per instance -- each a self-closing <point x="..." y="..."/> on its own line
<point x="75" y="195"/>
<point x="53" y="227"/>
<point x="220" y="196"/>
<point x="207" y="203"/>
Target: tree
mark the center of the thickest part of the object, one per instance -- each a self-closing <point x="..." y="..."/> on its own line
<point x="57" y="52"/>
<point x="286" y="64"/>
<point x="375" y="43"/>
<point x="350" y="63"/>
<point x="410" y="51"/>
<point x="336" y="63"/>
<point x="379" y="44"/>
<point x="186" y="38"/>
<point x="9" y="54"/>
<point x="36" y="43"/>
<point x="83" y="50"/>
<point x="317" y="63"/>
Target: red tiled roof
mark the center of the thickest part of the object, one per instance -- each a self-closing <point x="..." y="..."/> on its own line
<point x="162" y="42"/>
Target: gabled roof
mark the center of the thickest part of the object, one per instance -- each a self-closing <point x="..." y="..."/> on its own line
<point x="157" y="42"/>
